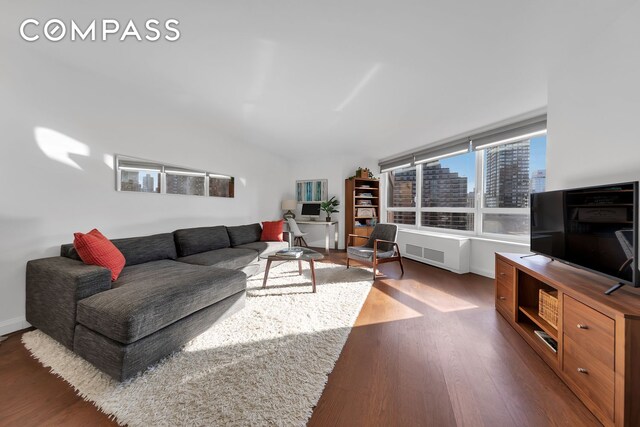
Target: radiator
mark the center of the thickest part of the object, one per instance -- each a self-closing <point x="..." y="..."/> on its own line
<point x="448" y="252"/>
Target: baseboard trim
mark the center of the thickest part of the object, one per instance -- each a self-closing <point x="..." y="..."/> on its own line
<point x="482" y="272"/>
<point x="12" y="325"/>
<point x="432" y="263"/>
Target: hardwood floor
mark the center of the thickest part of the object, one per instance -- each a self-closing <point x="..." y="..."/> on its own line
<point x="428" y="349"/>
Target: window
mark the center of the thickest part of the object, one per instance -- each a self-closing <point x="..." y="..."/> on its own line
<point x="511" y="172"/>
<point x="185" y="182"/>
<point x="144" y="181"/>
<point x="448" y="193"/>
<point x="401" y="196"/>
<point x="483" y="192"/>
<point x="145" y="176"/>
<point x="221" y="185"/>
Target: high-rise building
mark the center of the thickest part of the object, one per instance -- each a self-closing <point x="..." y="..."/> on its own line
<point x="538" y="181"/>
<point x="147" y="184"/>
<point x="401" y="193"/>
<point x="130" y="181"/>
<point x="507" y="176"/>
<point x="185" y="184"/>
<point x="440" y="188"/>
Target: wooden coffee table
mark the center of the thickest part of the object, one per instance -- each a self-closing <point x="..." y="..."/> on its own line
<point x="308" y="255"/>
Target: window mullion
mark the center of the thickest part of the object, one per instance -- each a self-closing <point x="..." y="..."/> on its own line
<point x="479" y="199"/>
<point x="418" y="194"/>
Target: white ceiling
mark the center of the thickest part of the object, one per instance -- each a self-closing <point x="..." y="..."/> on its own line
<point x="344" y="76"/>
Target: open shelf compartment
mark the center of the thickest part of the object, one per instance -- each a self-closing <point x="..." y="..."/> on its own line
<point x="528" y="307"/>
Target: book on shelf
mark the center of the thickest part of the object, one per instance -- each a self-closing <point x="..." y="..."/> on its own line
<point x="548" y="340"/>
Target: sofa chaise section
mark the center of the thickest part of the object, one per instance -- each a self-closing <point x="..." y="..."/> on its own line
<point x="152" y="310"/>
<point x="150" y="296"/>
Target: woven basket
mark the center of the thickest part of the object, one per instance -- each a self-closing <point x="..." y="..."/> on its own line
<point x="548" y="306"/>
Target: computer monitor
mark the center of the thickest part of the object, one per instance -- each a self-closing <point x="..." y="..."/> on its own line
<point x="311" y="210"/>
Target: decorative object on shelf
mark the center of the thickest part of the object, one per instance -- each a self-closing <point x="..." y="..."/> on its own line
<point x="365" y="195"/>
<point x="548" y="306"/>
<point x="313" y="190"/>
<point x="364" y="202"/>
<point x="289" y="206"/>
<point x="365" y="212"/>
<point x="363" y="173"/>
<point x="329" y="207"/>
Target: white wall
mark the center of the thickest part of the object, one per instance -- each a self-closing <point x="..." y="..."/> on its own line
<point x="483" y="254"/>
<point x="44" y="201"/>
<point x="594" y="108"/>
<point x="336" y="168"/>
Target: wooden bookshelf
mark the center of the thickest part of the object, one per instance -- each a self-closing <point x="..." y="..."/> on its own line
<point x="359" y="191"/>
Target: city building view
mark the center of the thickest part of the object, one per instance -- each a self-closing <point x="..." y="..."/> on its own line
<point x="506" y="176"/>
<point x="440" y="188"/>
<point x="511" y="173"/>
<point x="221" y="186"/>
<point x="185" y="184"/>
<point x="140" y="181"/>
<point x="538" y="181"/>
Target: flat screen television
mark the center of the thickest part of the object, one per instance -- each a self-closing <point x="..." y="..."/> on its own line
<point x="594" y="228"/>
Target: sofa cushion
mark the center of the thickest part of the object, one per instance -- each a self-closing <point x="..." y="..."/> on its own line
<point x="366" y="253"/>
<point x="272" y="231"/>
<point x="234" y="258"/>
<point x="136" y="250"/>
<point x="151" y="296"/>
<point x="95" y="249"/>
<point x="191" y="241"/>
<point x="265" y="248"/>
<point x="241" y="234"/>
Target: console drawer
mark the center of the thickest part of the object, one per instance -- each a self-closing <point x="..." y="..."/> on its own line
<point x="594" y="379"/>
<point x="504" y="297"/>
<point x="505" y="273"/>
<point x="591" y="330"/>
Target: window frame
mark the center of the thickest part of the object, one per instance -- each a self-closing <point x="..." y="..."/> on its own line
<point x="478" y="210"/>
<point x="414" y="209"/>
<point x="165" y="169"/>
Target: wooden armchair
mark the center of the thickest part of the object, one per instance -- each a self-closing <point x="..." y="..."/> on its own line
<point x="381" y="247"/>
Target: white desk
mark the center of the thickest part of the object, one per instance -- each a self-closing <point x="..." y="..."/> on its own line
<point x="327" y="231"/>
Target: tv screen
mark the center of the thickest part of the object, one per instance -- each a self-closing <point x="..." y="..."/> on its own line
<point x="595" y="228"/>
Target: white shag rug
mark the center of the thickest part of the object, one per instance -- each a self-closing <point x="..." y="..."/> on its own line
<point x="265" y="365"/>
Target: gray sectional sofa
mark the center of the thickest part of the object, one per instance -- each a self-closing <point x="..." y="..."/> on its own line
<point x="174" y="287"/>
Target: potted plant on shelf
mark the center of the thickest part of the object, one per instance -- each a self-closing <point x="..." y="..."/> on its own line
<point x="329" y="207"/>
<point x="362" y="173"/>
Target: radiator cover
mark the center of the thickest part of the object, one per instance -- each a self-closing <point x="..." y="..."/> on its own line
<point x="449" y="252"/>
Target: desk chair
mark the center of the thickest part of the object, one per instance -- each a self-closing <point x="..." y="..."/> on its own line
<point x="298" y="236"/>
<point x="381" y="247"/>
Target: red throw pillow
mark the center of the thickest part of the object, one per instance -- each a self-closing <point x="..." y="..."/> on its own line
<point x="272" y="231"/>
<point x="95" y="249"/>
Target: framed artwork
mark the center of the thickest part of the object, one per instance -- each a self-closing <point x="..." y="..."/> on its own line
<point x="314" y="190"/>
